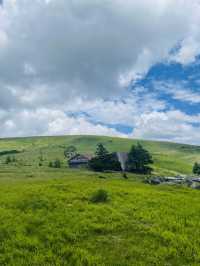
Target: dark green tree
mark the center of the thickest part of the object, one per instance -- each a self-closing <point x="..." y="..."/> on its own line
<point x="139" y="160"/>
<point x="104" y="160"/>
<point x="101" y="151"/>
<point x="196" y="169"/>
<point x="70" y="152"/>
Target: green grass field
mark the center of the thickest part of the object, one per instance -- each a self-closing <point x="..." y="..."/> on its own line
<point x="47" y="217"/>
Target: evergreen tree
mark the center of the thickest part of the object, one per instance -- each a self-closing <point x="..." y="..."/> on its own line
<point x="139" y="159"/>
<point x="104" y="160"/>
<point x="70" y="152"/>
<point x="101" y="151"/>
<point x="196" y="169"/>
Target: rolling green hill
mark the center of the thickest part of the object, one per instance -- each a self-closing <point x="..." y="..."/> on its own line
<point x="169" y="158"/>
<point x="48" y="218"/>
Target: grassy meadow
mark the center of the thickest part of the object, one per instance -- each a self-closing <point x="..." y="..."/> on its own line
<point x="169" y="158"/>
<point x="47" y="216"/>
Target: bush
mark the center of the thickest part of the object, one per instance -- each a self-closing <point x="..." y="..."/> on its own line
<point x="101" y="177"/>
<point x="55" y="164"/>
<point x="2" y="153"/>
<point x="99" y="196"/>
<point x="124" y="175"/>
<point x="50" y="164"/>
<point x="8" y="160"/>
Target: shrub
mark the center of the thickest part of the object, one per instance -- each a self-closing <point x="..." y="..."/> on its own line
<point x="8" y="160"/>
<point x="124" y="175"/>
<point x="99" y="196"/>
<point x="50" y="164"/>
<point x="101" y="177"/>
<point x="57" y="164"/>
<point x="2" y="153"/>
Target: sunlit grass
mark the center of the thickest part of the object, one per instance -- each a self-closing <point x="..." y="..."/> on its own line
<point x="48" y="216"/>
<point x="169" y="158"/>
<point x="49" y="219"/>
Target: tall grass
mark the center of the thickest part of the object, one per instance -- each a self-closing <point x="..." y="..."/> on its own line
<point x="48" y="219"/>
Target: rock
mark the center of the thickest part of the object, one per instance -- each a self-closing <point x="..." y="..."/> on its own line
<point x="155" y="181"/>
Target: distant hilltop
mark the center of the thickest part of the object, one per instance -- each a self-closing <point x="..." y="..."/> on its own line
<point x="169" y="158"/>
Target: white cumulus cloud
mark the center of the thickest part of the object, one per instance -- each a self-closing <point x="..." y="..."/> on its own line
<point x="80" y="56"/>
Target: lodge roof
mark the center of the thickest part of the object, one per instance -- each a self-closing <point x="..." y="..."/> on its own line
<point x="80" y="158"/>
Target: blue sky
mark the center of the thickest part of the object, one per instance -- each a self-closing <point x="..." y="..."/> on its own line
<point x="118" y="68"/>
<point x="174" y="75"/>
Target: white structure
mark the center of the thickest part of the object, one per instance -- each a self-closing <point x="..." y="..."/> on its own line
<point x="122" y="158"/>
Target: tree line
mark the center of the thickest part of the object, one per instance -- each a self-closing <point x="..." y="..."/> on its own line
<point x="138" y="160"/>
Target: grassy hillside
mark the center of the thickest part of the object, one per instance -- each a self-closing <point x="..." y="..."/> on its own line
<point x="48" y="219"/>
<point x="47" y="216"/>
<point x="170" y="158"/>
